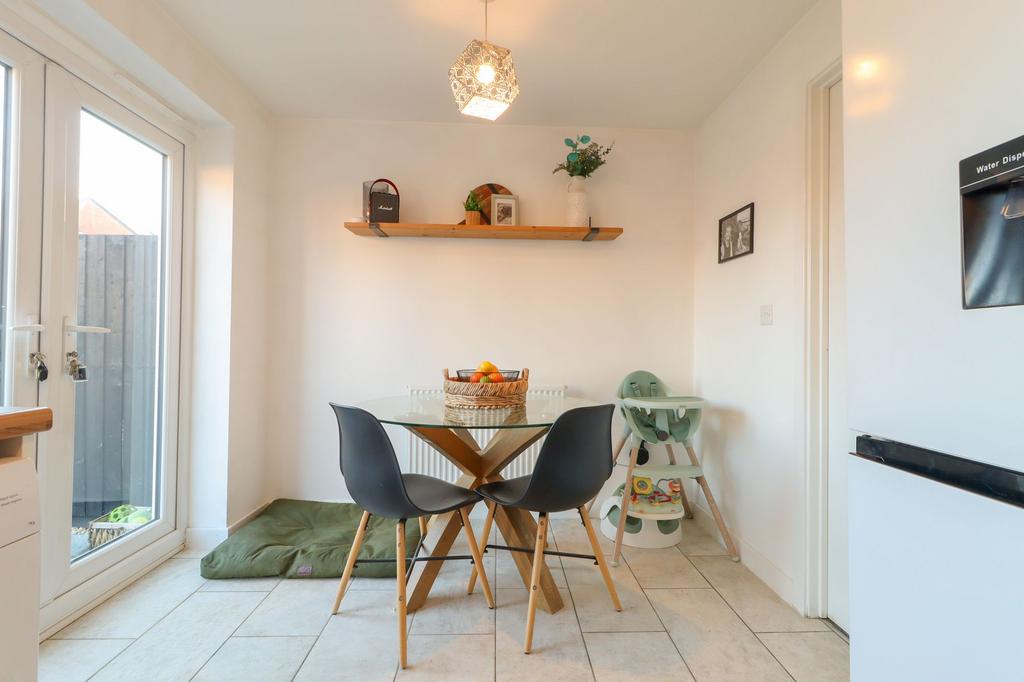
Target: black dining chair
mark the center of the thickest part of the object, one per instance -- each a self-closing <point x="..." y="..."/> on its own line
<point x="373" y="478"/>
<point x="573" y="464"/>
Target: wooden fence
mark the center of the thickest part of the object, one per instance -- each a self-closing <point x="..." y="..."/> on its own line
<point x="116" y="409"/>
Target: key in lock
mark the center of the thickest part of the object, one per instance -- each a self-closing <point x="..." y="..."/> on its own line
<point x="75" y="368"/>
<point x="38" y="362"/>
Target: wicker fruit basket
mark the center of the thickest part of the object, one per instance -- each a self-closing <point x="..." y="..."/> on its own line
<point x="486" y="396"/>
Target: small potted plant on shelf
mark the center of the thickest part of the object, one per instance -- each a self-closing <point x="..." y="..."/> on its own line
<point x="473" y="209"/>
<point x="585" y="157"/>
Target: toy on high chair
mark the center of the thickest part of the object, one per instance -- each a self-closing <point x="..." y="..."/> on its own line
<point x="650" y="503"/>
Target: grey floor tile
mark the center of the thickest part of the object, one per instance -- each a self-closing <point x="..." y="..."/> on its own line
<point x="133" y="610"/>
<point x="618" y="656"/>
<point x="380" y="584"/>
<point x="572" y="536"/>
<point x="558" y="655"/>
<point x="449" y="658"/>
<point x="754" y="601"/>
<point x="449" y="610"/>
<point x="594" y="605"/>
<point x="74" y="660"/>
<point x="697" y="542"/>
<point x="256" y="659"/>
<point x="235" y="629"/>
<point x="507" y="575"/>
<point x="294" y="608"/>
<point x="180" y="644"/>
<point x="662" y="568"/>
<point x="240" y="585"/>
<point x="811" y="656"/>
<point x="191" y="553"/>
<point x="359" y="644"/>
<point x="714" y="642"/>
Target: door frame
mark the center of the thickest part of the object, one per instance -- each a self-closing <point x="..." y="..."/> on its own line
<point x="815" y="335"/>
<point x="51" y="42"/>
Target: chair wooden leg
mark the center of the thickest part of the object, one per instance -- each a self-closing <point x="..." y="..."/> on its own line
<point x="719" y="521"/>
<point x="538" y="563"/>
<point x="624" y="505"/>
<point x="599" y="557"/>
<point x="478" y="558"/>
<point x="423" y="526"/>
<point x="350" y="562"/>
<point x="615" y="459"/>
<point x="488" y="522"/>
<point x="687" y="511"/>
<point x="400" y="575"/>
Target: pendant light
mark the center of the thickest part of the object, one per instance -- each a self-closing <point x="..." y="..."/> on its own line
<point x="483" y="78"/>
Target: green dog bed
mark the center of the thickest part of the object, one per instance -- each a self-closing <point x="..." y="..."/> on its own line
<point x="303" y="539"/>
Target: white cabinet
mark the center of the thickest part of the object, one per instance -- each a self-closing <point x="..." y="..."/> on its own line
<point x="19" y="570"/>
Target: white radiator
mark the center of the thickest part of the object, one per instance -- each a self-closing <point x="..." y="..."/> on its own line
<point x="425" y="460"/>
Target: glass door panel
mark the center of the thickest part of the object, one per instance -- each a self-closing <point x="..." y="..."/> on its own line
<point x="121" y="209"/>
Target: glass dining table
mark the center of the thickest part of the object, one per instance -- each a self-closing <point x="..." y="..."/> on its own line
<point x="447" y="429"/>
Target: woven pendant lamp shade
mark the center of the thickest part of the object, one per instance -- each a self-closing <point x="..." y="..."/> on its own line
<point x="483" y="80"/>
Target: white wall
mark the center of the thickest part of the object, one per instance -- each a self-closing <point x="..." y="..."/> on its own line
<point x="357" y="318"/>
<point x="751" y="149"/>
<point x="927" y="85"/>
<point x="215" y="181"/>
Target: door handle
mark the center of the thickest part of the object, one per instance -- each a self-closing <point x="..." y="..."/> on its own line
<point x="69" y="344"/>
<point x="84" y="329"/>
<point x="33" y="328"/>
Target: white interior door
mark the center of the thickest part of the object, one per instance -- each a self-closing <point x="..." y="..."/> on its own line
<point x="110" y="307"/>
<point x="841" y="440"/>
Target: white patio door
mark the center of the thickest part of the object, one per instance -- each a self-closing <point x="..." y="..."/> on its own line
<point x="110" y="295"/>
<point x="21" y="173"/>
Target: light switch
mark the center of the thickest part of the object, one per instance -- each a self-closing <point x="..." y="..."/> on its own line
<point x="767" y="315"/>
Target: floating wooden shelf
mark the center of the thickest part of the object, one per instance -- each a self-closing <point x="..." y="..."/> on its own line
<point x="576" y="234"/>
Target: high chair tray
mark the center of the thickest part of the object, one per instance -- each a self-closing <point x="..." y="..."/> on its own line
<point x="665" y="402"/>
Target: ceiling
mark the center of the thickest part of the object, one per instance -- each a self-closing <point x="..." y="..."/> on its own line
<point x="639" y="64"/>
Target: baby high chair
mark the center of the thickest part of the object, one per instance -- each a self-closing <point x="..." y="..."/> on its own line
<point x="655" y="418"/>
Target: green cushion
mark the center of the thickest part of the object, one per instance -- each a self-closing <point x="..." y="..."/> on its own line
<point x="303" y="539"/>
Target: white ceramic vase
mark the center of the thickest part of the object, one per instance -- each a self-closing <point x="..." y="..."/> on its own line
<point x="578" y="214"/>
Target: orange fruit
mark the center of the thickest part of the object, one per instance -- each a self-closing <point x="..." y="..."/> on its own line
<point x="475" y="379"/>
<point x="496" y="377"/>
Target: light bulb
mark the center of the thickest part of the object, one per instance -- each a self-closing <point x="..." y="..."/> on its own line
<point x="485" y="73"/>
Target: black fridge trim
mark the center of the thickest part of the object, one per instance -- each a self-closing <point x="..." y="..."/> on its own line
<point x="987" y="480"/>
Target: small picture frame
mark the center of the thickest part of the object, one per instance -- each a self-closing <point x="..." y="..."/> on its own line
<point x="736" y="234"/>
<point x="504" y="210"/>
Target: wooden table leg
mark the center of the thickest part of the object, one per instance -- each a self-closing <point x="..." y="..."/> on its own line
<point x="440" y="538"/>
<point x="519" y="529"/>
<point x="516" y="526"/>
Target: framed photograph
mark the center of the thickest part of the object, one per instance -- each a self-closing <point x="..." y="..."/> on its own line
<point x="736" y="234"/>
<point x="504" y="209"/>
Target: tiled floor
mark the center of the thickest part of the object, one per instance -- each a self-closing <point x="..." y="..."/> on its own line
<point x="689" y="613"/>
